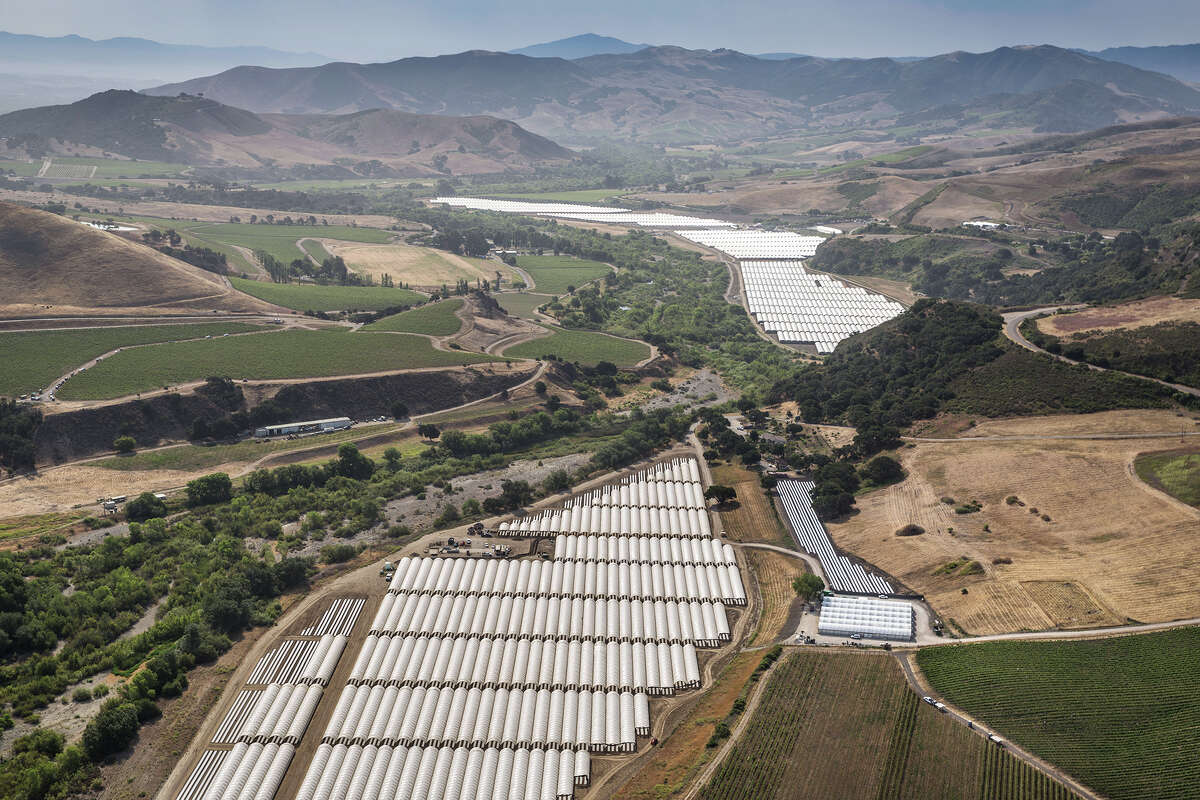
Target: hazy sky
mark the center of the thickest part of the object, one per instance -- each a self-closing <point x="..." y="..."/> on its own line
<point x="366" y="30"/>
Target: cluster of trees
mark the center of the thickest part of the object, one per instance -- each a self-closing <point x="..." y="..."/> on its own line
<point x="331" y="271"/>
<point x="18" y="423"/>
<point x="900" y="372"/>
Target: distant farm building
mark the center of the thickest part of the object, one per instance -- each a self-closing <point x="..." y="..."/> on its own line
<point x="312" y="426"/>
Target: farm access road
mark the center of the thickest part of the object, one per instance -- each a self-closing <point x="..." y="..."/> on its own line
<point x="1012" y="330"/>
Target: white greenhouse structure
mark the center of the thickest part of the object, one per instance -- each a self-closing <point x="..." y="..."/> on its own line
<point x="871" y="617"/>
<point x="498" y="679"/>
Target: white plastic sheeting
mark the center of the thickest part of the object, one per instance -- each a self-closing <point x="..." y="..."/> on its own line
<point x="450" y="577"/>
<point x="339" y="618"/>
<point x="351" y="772"/>
<point x="841" y="574"/>
<point x="867" y="616"/>
<point x="496" y="679"/>
<point x="743" y="244"/>
<point x="802" y="306"/>
<point x="525" y="206"/>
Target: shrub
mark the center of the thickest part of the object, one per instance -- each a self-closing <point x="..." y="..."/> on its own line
<point x="82" y="695"/>
<point x="338" y="553"/>
<point x="911" y="529"/>
<point x="124" y="444"/>
<point x="145" y="506"/>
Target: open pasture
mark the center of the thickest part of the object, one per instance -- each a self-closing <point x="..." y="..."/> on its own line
<point x="1119" y="714"/>
<point x="521" y="304"/>
<point x="33" y="359"/>
<point x="280" y="240"/>
<point x="1078" y="515"/>
<point x="278" y="355"/>
<point x="585" y="347"/>
<point x="415" y="266"/>
<point x="435" y="319"/>
<point x="555" y="274"/>
<point x="327" y="298"/>
<point x="846" y="725"/>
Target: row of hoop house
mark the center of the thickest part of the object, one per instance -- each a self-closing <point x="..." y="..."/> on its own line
<point x="756" y="244"/>
<point x="801" y="306"/>
<point x="495" y="679"/>
<point x="582" y="579"/>
<point x="599" y="721"/>
<point x="355" y="772"/>
<point x="584" y="619"/>
<point x="656" y="667"/>
<point x="265" y="726"/>
<point x="612" y="520"/>
<point x="842" y="574"/>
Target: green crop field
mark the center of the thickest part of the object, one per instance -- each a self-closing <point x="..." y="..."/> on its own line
<point x="327" y="298"/>
<point x="1176" y="473"/>
<point x="280" y="240"/>
<point x="522" y="305"/>
<point x="314" y="249"/>
<point x="846" y="726"/>
<point x="569" y="196"/>
<point x="275" y="355"/>
<point x="586" y="347"/>
<point x="435" y="319"/>
<point x="1120" y="714"/>
<point x="33" y="359"/>
<point x="553" y="274"/>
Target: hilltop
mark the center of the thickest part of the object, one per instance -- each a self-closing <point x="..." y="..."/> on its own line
<point x="675" y="94"/>
<point x="50" y="264"/>
<point x="199" y="130"/>
<point x="581" y="46"/>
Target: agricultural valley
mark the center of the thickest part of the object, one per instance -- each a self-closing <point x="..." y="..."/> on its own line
<point x="599" y="421"/>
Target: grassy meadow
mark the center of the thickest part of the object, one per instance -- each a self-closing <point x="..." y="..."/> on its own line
<point x="327" y="298"/>
<point x="586" y="347"/>
<point x="553" y="274"/>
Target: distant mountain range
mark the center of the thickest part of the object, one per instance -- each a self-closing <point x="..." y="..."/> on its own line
<point x="134" y="59"/>
<point x="1180" y="60"/>
<point x="581" y="46"/>
<point x="202" y="131"/>
<point x="670" y="94"/>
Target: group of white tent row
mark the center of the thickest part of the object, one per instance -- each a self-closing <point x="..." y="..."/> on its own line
<point x="602" y="721"/>
<point x="487" y="679"/>
<point x="268" y="719"/>
<point x="385" y="772"/>
<point x="701" y="622"/>
<point x="841" y="574"/>
<point x="573" y="579"/>
<point x="584" y="213"/>
<point x="744" y="244"/>
<point x="802" y="306"/>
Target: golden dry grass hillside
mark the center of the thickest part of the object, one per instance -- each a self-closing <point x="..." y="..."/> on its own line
<point x="1066" y="536"/>
<point x="52" y="264"/>
<point x="1150" y="311"/>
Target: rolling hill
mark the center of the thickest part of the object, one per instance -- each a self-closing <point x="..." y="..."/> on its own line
<point x="51" y="264"/>
<point x="202" y="131"/>
<point x="1180" y="60"/>
<point x="674" y="94"/>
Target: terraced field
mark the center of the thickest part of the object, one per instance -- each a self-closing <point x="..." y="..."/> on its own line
<point x="327" y="298"/>
<point x="33" y="359"/>
<point x="436" y="319"/>
<point x="276" y="355"/>
<point x="845" y="725"/>
<point x="585" y="347"/>
<point x="1119" y="714"/>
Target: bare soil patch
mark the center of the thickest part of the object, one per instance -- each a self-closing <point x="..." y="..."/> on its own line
<point x="1127" y="315"/>
<point x="416" y="266"/>
<point x="1128" y="548"/>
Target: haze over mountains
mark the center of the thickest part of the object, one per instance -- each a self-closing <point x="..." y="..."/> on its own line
<point x="198" y="130"/>
<point x="671" y="94"/>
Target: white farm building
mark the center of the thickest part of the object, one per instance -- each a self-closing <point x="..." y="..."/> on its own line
<point x="871" y="617"/>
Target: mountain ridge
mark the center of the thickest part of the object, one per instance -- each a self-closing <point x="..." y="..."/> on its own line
<point x="668" y="93"/>
<point x="203" y="131"/>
